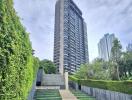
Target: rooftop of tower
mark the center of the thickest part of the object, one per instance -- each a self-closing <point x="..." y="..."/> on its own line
<point x="74" y="5"/>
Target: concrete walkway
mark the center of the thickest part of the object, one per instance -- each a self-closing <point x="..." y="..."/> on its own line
<point x="67" y="95"/>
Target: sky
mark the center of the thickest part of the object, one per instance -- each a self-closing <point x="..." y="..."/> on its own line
<point x="101" y="16"/>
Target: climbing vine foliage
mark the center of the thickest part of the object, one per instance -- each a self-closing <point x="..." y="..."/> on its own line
<point x="16" y="60"/>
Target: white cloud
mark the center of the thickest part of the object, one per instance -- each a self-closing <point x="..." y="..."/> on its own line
<point x="101" y="16"/>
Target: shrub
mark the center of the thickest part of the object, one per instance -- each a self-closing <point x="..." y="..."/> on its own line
<point x="72" y="78"/>
<point x="118" y="86"/>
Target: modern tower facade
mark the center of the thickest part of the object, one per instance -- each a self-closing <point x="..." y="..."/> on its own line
<point x="70" y="37"/>
<point x="105" y="45"/>
<point x="129" y="47"/>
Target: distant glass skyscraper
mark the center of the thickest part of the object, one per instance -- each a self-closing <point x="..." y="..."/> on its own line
<point x="70" y="37"/>
<point x="105" y="45"/>
<point x="129" y="47"/>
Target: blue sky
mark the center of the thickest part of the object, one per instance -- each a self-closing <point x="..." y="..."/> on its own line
<point x="101" y="16"/>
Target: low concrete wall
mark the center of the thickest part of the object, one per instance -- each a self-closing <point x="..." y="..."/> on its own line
<point x="38" y="78"/>
<point x="100" y="94"/>
<point x="73" y="85"/>
<point x="31" y="93"/>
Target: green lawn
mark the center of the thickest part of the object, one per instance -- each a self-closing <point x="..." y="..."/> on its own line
<point x="82" y="96"/>
<point x="47" y="95"/>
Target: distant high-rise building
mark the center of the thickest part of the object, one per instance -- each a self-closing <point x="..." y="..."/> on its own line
<point x="70" y="37"/>
<point x="105" y="45"/>
<point x="129" y="47"/>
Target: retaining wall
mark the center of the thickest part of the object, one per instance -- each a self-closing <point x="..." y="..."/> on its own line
<point x="101" y="94"/>
<point x="32" y="92"/>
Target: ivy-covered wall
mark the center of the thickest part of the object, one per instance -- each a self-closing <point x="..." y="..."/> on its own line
<point x="16" y="60"/>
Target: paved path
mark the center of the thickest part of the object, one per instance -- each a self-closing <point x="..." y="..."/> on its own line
<point x="48" y="87"/>
<point x="67" y="95"/>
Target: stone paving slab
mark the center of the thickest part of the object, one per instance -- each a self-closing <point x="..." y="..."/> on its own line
<point x="67" y="95"/>
<point x="48" y="87"/>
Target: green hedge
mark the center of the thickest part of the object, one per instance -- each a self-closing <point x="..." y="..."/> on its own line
<point x="72" y="78"/>
<point x="16" y="60"/>
<point x="119" y="86"/>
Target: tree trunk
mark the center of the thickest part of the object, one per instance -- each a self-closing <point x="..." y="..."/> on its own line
<point x="118" y="77"/>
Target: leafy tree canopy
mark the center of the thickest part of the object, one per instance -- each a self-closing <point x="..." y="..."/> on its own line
<point x="97" y="70"/>
<point x="48" y="66"/>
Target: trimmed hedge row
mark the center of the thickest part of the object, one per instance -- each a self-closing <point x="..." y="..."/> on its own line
<point x="118" y="86"/>
<point x="16" y="60"/>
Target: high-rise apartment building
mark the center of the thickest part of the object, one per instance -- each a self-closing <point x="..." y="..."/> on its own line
<point x="70" y="37"/>
<point x="129" y="47"/>
<point x="105" y="45"/>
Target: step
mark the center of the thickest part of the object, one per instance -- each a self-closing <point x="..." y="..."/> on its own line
<point x="67" y="95"/>
<point x="82" y="96"/>
<point x="42" y="94"/>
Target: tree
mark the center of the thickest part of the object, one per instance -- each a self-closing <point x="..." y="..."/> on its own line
<point x="99" y="69"/>
<point x="116" y="51"/>
<point x="115" y="57"/>
<point x="48" y="66"/>
<point x="128" y="60"/>
<point x="82" y="73"/>
<point x="125" y="65"/>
